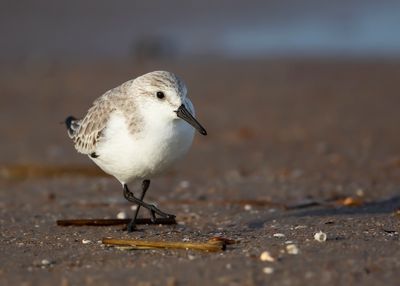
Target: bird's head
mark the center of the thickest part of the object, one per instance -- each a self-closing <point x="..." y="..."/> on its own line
<point x="165" y="93"/>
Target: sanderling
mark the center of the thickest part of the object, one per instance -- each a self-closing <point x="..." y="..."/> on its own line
<point x="137" y="130"/>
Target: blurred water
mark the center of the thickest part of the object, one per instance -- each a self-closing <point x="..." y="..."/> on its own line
<point x="65" y="30"/>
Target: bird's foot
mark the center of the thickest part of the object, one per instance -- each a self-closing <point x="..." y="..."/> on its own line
<point x="154" y="210"/>
<point x="165" y="217"/>
<point x="131" y="226"/>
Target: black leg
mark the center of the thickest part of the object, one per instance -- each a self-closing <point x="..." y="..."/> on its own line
<point x="132" y="223"/>
<point x="152" y="208"/>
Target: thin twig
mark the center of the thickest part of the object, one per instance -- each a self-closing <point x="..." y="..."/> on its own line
<point x="211" y="246"/>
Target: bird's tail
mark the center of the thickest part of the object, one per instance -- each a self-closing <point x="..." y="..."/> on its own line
<point x="72" y="125"/>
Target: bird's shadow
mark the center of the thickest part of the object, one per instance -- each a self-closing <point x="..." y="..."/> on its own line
<point x="386" y="206"/>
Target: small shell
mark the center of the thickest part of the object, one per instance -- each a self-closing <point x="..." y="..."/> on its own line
<point x="292" y="249"/>
<point x="268" y="270"/>
<point x="266" y="256"/>
<point x="278" y="235"/>
<point x="248" y="207"/>
<point x="122" y="215"/>
<point x="45" y="262"/>
<point x="320" y="236"/>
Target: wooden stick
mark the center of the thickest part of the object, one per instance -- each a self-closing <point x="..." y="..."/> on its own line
<point x="211" y="246"/>
<point x="108" y="222"/>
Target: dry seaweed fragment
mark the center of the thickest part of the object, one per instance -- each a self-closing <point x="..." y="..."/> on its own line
<point x="211" y="246"/>
<point x="12" y="172"/>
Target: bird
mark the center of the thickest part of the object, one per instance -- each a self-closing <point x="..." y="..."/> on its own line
<point x="136" y="131"/>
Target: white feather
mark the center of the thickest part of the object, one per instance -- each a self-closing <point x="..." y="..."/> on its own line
<point x="162" y="140"/>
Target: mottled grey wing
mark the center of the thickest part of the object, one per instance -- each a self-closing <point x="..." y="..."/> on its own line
<point x="92" y="125"/>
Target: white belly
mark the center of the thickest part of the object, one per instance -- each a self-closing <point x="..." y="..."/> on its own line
<point x="130" y="157"/>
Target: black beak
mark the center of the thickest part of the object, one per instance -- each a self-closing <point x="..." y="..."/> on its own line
<point x="184" y="114"/>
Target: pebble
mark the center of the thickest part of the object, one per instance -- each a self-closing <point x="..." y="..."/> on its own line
<point x="292" y="249"/>
<point x="279" y="235"/>
<point x="320" y="236"/>
<point x="45" y="262"/>
<point x="268" y="270"/>
<point x="86" y="241"/>
<point x="360" y="192"/>
<point x="266" y="256"/>
<point x="122" y="215"/>
<point x="184" y="184"/>
<point x="248" y="207"/>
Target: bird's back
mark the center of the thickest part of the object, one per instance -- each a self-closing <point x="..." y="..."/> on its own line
<point x="87" y="132"/>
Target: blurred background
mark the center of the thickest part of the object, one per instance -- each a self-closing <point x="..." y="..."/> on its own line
<point x="282" y="79"/>
<point x="60" y="31"/>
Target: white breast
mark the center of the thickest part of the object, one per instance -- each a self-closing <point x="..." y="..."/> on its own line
<point x="129" y="157"/>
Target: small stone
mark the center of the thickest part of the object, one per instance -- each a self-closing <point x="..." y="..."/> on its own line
<point x="86" y="241"/>
<point x="184" y="184"/>
<point x="45" y="262"/>
<point x="191" y="257"/>
<point x="320" y="236"/>
<point x="292" y="249"/>
<point x="248" y="207"/>
<point x="266" y="256"/>
<point x="134" y="207"/>
<point x="268" y="270"/>
<point x="360" y="192"/>
<point x="122" y="215"/>
<point x="278" y="235"/>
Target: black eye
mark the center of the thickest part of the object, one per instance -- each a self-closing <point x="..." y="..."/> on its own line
<point x="160" y="94"/>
